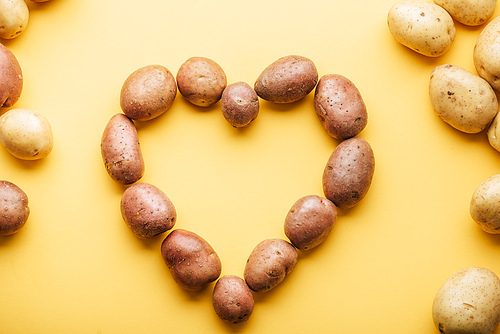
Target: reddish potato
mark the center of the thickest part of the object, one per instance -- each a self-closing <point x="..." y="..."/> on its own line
<point x="13" y="207"/>
<point x="232" y="299"/>
<point x="240" y="104"/>
<point x="11" y="78"/>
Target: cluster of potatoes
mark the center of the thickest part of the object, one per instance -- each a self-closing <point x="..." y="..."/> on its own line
<point x="149" y="92"/>
<point x="468" y="300"/>
<point x="14" y="17"/>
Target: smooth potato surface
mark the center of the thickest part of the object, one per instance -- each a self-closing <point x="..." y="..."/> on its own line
<point x="14" y="17"/>
<point x="13" y="207"/>
<point x="232" y="299"/>
<point x="486" y="53"/>
<point x="240" y="104"/>
<point x="469" y="12"/>
<point x="11" y="78"/>
<point x="484" y="208"/>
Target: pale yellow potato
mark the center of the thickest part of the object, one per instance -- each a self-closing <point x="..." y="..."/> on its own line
<point x="487" y="53"/>
<point x="469" y="12"/>
<point x="468" y="302"/>
<point x="26" y="134"/>
<point x="494" y="133"/>
<point x="484" y="208"/>
<point x="14" y="17"/>
<point x="422" y="26"/>
<point x="462" y="99"/>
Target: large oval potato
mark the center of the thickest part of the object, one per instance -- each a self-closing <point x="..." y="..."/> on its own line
<point x="240" y="104"/>
<point x="468" y="302"/>
<point x="14" y="17"/>
<point x="339" y="106"/>
<point x="193" y="263"/>
<point x="121" y="151"/>
<point x="462" y="99"/>
<point x="14" y="210"/>
<point x="232" y="299"/>
<point x="422" y="26"/>
<point x="469" y="12"/>
<point x="487" y="52"/>
<point x="11" y="78"/>
<point x="484" y="208"/>
<point x="286" y="80"/>
<point x="348" y="173"/>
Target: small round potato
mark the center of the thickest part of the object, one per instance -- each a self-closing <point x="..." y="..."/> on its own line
<point x="13" y="207"/>
<point x="11" y="78"/>
<point x="484" y="208"/>
<point x="468" y="302"/>
<point x="148" y="92"/>
<point x="14" y="16"/>
<point x="462" y="99"/>
<point x="286" y="80"/>
<point x="487" y="52"/>
<point x="146" y="210"/>
<point x="469" y="12"/>
<point x="201" y="81"/>
<point x="240" y="104"/>
<point x="232" y="299"/>
<point x="193" y="263"/>
<point x="422" y="26"/>
<point x="26" y="134"/>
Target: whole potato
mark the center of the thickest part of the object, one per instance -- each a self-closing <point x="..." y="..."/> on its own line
<point x="348" y="173"/>
<point x="484" y="208"/>
<point x="462" y="99"/>
<point x="309" y="221"/>
<point x="147" y="210"/>
<point x="339" y="106"/>
<point x="13" y="207"/>
<point x="487" y="52"/>
<point x="240" y="104"/>
<point x="26" y="134"/>
<point x="270" y="262"/>
<point x="468" y="302"/>
<point x="493" y="133"/>
<point x="232" y="299"/>
<point x="201" y="81"/>
<point x="193" y="263"/>
<point x="148" y="92"/>
<point x="14" y="17"/>
<point x="288" y="79"/>
<point x="469" y="12"/>
<point x="11" y="78"/>
<point x="121" y="151"/>
<point x="422" y="26"/>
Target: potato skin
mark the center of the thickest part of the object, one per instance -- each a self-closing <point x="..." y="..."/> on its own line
<point x="14" y="208"/>
<point x="147" y="210"/>
<point x="148" y="92"/>
<point x="484" y="208"/>
<point x="269" y="263"/>
<point x="493" y="133"/>
<point x="469" y="12"/>
<point x="11" y="78"/>
<point x="309" y="221"/>
<point x="240" y="104"/>
<point x="232" y="299"/>
<point x="201" y="81"/>
<point x="487" y="52"/>
<point x="348" y="173"/>
<point x="121" y="151"/>
<point x="339" y="106"/>
<point x="467" y="302"/>
<point x="191" y="260"/>
<point x="286" y="80"/>
<point x="462" y="99"/>
<point x="14" y="17"/>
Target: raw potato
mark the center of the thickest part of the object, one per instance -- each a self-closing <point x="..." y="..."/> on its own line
<point x="286" y="80"/>
<point x="14" y="16"/>
<point x="462" y="99"/>
<point x="147" y="210"/>
<point x="484" y="208"/>
<point x="339" y="106"/>
<point x="469" y="12"/>
<point x="270" y="262"/>
<point x="309" y="221"/>
<point x="494" y="133"/>
<point x="232" y="299"/>
<point x="26" y="134"/>
<point x="11" y="78"/>
<point x="192" y="261"/>
<point x="422" y="26"/>
<point x="201" y="81"/>
<point x="121" y="151"/>
<point x="13" y="207"/>
<point x="468" y="302"/>
<point x="148" y="92"/>
<point x="487" y="52"/>
<point x="240" y="104"/>
<point x="348" y="173"/>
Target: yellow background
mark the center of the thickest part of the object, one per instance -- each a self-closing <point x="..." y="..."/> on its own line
<point x="76" y="268"/>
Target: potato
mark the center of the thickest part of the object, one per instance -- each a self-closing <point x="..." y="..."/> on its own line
<point x="469" y="12"/>
<point x="121" y="151"/>
<point x="191" y="260"/>
<point x="493" y="133"/>
<point x="11" y="78"/>
<point x="422" y="26"/>
<point x="26" y="134"/>
<point x="487" y="52"/>
<point x="147" y="210"/>
<point x="240" y="104"/>
<point x="148" y="92"/>
<point x="462" y="99"/>
<point x="232" y="299"/>
<point x="201" y="81"/>
<point x="484" y="208"/>
<point x="348" y="173"/>
<point x="286" y="80"/>
<point x="14" y="17"/>
<point x="339" y="106"/>
<point x="270" y="262"/>
<point x="467" y="302"/>
<point x="14" y="208"/>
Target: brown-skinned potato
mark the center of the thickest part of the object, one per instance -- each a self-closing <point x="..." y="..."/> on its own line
<point x="240" y="104"/>
<point x="11" y="78"/>
<point x="232" y="299"/>
<point x="13" y="207"/>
